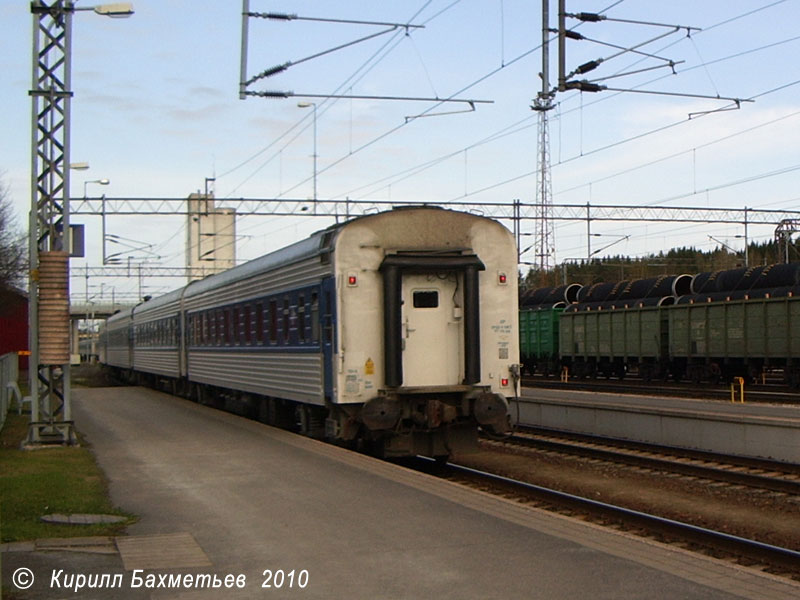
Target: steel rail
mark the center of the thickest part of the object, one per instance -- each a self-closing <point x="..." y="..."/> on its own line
<point x="774" y="555"/>
<point x="663" y="464"/>
<point x="689" y="453"/>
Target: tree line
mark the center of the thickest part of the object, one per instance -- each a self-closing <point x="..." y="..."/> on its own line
<point x="676" y="261"/>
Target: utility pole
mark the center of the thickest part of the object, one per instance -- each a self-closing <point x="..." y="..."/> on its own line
<point x="544" y="243"/>
<point x="49" y="234"/>
<point x="49" y="224"/>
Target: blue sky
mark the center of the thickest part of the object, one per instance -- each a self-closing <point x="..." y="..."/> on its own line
<point x="156" y="111"/>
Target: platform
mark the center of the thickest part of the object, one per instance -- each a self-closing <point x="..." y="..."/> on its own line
<point x="252" y="498"/>
<point x="756" y="430"/>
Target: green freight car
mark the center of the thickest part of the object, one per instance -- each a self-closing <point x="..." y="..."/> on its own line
<point x="722" y="336"/>
<point x="540" y="310"/>
<point x="610" y="339"/>
<point x="538" y="334"/>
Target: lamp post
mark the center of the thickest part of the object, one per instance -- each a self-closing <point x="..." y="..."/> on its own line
<point x="314" y="105"/>
<point x="97" y="181"/>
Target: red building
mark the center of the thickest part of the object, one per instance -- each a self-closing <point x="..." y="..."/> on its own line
<point x="14" y="323"/>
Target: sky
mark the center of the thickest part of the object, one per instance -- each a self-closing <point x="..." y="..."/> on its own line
<point x="156" y="111"/>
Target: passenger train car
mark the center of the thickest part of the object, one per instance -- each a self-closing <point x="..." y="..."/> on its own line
<point x="397" y="328"/>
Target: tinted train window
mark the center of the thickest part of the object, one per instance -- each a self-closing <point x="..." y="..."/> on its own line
<point x="286" y="320"/>
<point x="273" y="321"/>
<point x="260" y="322"/>
<point x="301" y="318"/>
<point x="314" y="317"/>
<point x="428" y="299"/>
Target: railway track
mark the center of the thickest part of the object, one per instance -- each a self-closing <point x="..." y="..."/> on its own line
<point x="755" y="473"/>
<point x="777" y="559"/>
<point x="753" y="393"/>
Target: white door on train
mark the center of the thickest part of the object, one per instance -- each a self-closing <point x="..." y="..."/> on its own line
<point x="432" y="322"/>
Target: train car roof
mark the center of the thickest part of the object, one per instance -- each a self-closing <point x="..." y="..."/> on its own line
<point x="318" y="243"/>
<point x="298" y="251"/>
<point x="124" y="313"/>
<point x="153" y="303"/>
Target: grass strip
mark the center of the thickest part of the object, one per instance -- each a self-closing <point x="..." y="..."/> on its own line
<point x="50" y="480"/>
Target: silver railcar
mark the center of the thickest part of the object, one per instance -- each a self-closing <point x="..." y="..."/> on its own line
<point x="398" y="328"/>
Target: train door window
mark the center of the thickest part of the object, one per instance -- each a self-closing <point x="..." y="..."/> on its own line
<point x="314" y="317"/>
<point x="301" y="318"/>
<point x="286" y="320"/>
<point x="328" y="319"/>
<point x="273" y="321"/>
<point x="236" y="332"/>
<point x="426" y="299"/>
<point x="260" y="323"/>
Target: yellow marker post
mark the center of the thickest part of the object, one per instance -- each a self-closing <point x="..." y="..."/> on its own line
<point x="740" y="382"/>
<point x="564" y="374"/>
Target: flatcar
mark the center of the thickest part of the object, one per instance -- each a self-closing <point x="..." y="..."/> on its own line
<point x="397" y="330"/>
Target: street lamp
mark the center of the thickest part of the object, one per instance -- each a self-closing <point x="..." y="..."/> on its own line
<point x="115" y="10"/>
<point x="98" y="181"/>
<point x="314" y="105"/>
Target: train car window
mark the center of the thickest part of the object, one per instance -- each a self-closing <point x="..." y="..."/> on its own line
<point x="228" y="327"/>
<point x="286" y="320"/>
<point x="220" y="327"/>
<point x="248" y="337"/>
<point x="426" y="299"/>
<point x="314" y="317"/>
<point x="301" y="318"/>
<point x="236" y="333"/>
<point x="212" y="327"/>
<point x="260" y="323"/>
<point x="273" y="321"/>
